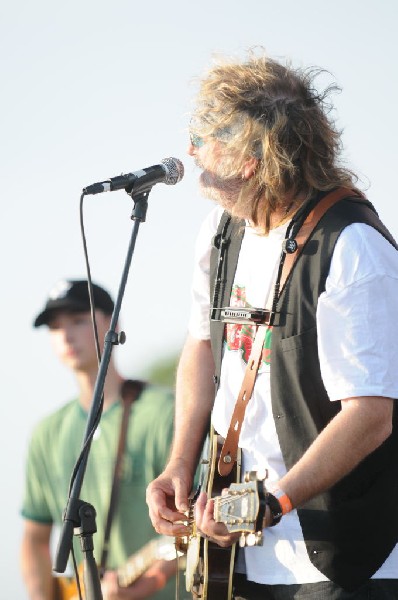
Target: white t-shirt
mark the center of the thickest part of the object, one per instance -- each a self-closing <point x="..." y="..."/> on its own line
<point x="358" y="353"/>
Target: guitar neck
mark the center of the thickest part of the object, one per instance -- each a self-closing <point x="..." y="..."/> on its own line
<point x="138" y="564"/>
<point x="162" y="547"/>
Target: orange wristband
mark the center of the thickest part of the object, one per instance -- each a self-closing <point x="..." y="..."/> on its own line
<point x="284" y="500"/>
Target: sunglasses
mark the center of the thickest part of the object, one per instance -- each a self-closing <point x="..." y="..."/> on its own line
<point x="196" y="140"/>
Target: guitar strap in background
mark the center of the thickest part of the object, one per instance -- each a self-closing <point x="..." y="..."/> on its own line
<point x="229" y="452"/>
<point x="130" y="391"/>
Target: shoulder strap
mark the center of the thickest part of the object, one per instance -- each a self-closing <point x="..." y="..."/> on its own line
<point x="310" y="223"/>
<point x="130" y="391"/>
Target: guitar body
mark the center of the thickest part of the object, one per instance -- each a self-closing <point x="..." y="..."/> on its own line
<point x="65" y="588"/>
<point x="210" y="567"/>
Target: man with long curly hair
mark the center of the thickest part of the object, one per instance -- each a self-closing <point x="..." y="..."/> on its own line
<point x="293" y="320"/>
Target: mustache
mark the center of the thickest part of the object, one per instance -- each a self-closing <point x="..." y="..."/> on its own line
<point x="215" y="175"/>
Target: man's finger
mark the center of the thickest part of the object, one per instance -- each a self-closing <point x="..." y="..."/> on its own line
<point x="200" y="506"/>
<point x="181" y="496"/>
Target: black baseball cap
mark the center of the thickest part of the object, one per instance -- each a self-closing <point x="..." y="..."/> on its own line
<point x="72" y="295"/>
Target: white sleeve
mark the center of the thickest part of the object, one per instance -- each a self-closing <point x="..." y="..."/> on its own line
<point x="357" y="317"/>
<point x="199" y="321"/>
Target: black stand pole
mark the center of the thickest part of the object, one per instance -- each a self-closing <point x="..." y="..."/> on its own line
<point x="79" y="517"/>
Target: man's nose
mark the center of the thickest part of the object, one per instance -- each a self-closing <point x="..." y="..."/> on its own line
<point x="67" y="334"/>
<point x="191" y="149"/>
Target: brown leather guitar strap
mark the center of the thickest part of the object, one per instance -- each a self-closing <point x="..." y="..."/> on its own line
<point x="229" y="450"/>
<point x="131" y="389"/>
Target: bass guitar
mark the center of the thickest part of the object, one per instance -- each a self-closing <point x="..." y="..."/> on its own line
<point x="160" y="548"/>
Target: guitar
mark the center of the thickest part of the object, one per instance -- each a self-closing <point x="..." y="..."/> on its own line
<point x="209" y="568"/>
<point x="241" y="507"/>
<point x="160" y="548"/>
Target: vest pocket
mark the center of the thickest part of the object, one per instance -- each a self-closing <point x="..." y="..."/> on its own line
<point x="295" y="342"/>
<point x="303" y="395"/>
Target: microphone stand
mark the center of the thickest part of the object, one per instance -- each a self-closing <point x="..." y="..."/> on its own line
<point x="79" y="516"/>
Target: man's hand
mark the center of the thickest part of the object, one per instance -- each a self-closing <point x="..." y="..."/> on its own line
<point x="208" y="527"/>
<point x="154" y="579"/>
<point x="142" y="588"/>
<point x="167" y="499"/>
<point x="112" y="591"/>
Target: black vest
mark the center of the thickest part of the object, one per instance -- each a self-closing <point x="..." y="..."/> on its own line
<point x="351" y="529"/>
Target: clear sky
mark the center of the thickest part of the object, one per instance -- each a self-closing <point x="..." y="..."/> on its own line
<point x="91" y="89"/>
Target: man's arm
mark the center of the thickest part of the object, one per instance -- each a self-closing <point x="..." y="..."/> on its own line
<point x="361" y="426"/>
<point x="35" y="559"/>
<point x="358" y="429"/>
<point x="167" y="496"/>
<point x="194" y="402"/>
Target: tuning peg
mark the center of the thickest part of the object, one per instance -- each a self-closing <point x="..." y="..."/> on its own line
<point x="259" y="475"/>
<point x="250" y="476"/>
<point x="262" y="474"/>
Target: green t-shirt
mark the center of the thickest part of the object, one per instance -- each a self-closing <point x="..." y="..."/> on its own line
<point x="54" y="447"/>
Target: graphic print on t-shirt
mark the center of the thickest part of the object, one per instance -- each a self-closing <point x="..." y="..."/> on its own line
<point x="240" y="337"/>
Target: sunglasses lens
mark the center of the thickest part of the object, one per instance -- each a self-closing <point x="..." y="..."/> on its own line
<point x="196" y="140"/>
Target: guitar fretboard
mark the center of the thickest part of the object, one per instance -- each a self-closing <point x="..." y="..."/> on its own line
<point x="138" y="563"/>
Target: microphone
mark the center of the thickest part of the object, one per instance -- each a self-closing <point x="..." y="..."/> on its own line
<point x="170" y="171"/>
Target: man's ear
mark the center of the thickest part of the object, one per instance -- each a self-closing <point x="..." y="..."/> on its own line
<point x="249" y="167"/>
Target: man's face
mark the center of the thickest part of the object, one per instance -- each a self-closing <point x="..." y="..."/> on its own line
<point x="72" y="338"/>
<point x="216" y="181"/>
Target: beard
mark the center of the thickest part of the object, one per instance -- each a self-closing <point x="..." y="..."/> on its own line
<point x="228" y="192"/>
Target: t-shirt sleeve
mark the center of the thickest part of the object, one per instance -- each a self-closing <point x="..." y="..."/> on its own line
<point x="357" y="336"/>
<point x="34" y="504"/>
<point x="199" y="323"/>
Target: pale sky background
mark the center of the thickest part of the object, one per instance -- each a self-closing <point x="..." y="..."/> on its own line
<point x="91" y="89"/>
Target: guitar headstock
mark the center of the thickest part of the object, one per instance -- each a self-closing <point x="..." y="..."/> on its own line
<point x="241" y="508"/>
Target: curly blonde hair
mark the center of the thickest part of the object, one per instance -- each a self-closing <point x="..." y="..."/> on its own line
<point x="264" y="109"/>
